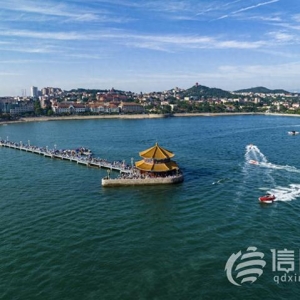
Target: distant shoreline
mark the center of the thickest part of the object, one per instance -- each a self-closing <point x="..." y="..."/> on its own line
<point x="137" y="116"/>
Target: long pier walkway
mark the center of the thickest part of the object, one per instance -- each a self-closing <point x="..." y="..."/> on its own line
<point x="76" y="156"/>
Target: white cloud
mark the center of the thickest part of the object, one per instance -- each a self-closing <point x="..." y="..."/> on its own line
<point x="41" y="8"/>
<point x="44" y="35"/>
<point x="254" y="6"/>
<point x="18" y="61"/>
<point x="241" y="44"/>
<point x="43" y="11"/>
<point x="273" y="19"/>
<point x="282" y="36"/>
<point x="296" y="18"/>
<point x="279" y="70"/>
<point x="229" y="14"/>
<point x="154" y="42"/>
<point x="10" y="74"/>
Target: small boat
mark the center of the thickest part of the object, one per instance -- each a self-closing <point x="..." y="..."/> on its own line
<point x="293" y="132"/>
<point x="253" y="162"/>
<point x="268" y="198"/>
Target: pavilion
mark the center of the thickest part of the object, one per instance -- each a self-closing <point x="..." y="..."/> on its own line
<point x="157" y="162"/>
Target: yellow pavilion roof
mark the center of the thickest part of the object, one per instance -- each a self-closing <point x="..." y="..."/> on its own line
<point x="156" y="167"/>
<point x="156" y="152"/>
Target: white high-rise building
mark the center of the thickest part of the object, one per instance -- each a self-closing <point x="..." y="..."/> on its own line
<point x="34" y="92"/>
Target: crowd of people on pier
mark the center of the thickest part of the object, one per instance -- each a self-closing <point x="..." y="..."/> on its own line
<point x="136" y="174"/>
<point x="83" y="155"/>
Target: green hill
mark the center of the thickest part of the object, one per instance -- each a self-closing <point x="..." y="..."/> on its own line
<point x="206" y="92"/>
<point x="261" y="89"/>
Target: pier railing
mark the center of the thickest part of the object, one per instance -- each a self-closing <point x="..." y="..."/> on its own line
<point x="70" y="155"/>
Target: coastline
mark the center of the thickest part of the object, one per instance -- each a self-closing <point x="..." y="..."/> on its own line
<point x="215" y="114"/>
<point x="77" y="117"/>
<point x="137" y="116"/>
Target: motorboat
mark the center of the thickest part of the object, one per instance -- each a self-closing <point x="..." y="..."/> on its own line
<point x="253" y="162"/>
<point x="268" y="198"/>
<point x="293" y="132"/>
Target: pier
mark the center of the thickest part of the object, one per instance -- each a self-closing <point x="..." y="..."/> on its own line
<point x="78" y="156"/>
<point x="155" y="169"/>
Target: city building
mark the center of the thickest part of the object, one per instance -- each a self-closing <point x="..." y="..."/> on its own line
<point x="21" y="107"/>
<point x="68" y="108"/>
<point x="131" y="107"/>
<point x="34" y="92"/>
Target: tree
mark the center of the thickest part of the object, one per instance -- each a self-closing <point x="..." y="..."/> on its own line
<point x="50" y="112"/>
<point x="166" y="109"/>
<point x="37" y="108"/>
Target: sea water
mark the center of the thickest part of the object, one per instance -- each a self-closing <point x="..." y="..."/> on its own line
<point x="63" y="236"/>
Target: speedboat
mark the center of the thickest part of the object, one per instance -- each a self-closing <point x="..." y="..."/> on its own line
<point x="293" y="132"/>
<point x="268" y="198"/>
<point x="253" y="162"/>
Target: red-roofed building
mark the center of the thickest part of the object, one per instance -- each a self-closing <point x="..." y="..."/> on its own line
<point x="131" y="107"/>
<point x="71" y="108"/>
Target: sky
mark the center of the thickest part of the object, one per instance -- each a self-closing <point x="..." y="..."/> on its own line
<point x="149" y="45"/>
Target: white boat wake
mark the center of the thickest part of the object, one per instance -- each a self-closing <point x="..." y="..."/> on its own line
<point x="286" y="193"/>
<point x="253" y="153"/>
<point x="279" y="167"/>
<point x="255" y="157"/>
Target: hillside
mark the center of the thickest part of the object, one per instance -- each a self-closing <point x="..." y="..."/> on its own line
<point x="261" y="89"/>
<point x="204" y="91"/>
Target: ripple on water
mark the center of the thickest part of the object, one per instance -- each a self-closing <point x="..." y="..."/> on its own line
<point x="65" y="237"/>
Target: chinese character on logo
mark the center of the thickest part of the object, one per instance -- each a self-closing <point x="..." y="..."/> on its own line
<point x="283" y="260"/>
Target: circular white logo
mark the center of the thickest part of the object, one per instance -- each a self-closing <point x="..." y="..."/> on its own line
<point x="248" y="266"/>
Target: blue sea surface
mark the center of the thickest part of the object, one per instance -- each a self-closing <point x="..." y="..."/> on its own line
<point x="63" y="236"/>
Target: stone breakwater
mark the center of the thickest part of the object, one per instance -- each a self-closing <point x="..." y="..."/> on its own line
<point x="109" y="182"/>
